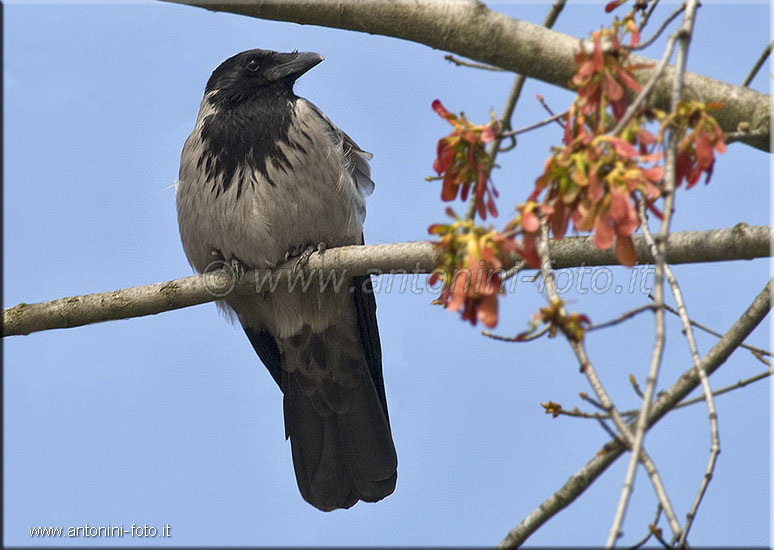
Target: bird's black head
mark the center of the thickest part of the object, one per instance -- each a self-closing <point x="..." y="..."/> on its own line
<point x="259" y="72"/>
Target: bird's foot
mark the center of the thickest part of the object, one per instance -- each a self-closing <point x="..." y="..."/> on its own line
<point x="237" y="268"/>
<point x="293" y="252"/>
<point x="304" y="255"/>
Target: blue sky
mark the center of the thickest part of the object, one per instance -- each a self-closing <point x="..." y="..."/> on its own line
<point x="172" y="419"/>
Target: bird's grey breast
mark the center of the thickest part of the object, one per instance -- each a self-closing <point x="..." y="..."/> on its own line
<point x="256" y="183"/>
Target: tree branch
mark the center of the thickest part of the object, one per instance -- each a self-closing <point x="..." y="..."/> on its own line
<point x="741" y="242"/>
<point x="534" y="51"/>
<point x="758" y="64"/>
<point x="613" y="449"/>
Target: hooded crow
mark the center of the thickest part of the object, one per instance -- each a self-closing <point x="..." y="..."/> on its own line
<point x="265" y="174"/>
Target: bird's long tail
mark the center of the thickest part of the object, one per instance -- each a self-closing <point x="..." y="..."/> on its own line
<point x="336" y="420"/>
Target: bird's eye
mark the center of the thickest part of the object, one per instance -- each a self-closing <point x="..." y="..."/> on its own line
<point x="252" y="65"/>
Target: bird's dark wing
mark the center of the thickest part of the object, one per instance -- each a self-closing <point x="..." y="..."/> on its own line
<point x="266" y="347"/>
<point x="365" y="305"/>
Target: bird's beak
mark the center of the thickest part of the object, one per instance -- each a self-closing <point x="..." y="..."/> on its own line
<point x="296" y="65"/>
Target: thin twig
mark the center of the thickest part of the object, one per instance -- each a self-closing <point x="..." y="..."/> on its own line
<point x="620" y="319"/>
<point x="664" y="24"/>
<point x="758" y="64"/>
<point x="521" y="264"/>
<point x="660" y="538"/>
<point x="577" y="413"/>
<point x="632" y="412"/>
<point x="761" y="359"/>
<point x="597" y="404"/>
<point x="708" y="330"/>
<point x="714" y="448"/>
<point x="720" y="391"/>
<point x="524" y="129"/>
<point x="726" y="389"/>
<point x="607" y="429"/>
<point x="648" y="13"/>
<point x="647" y="396"/>
<point x="472" y="64"/>
<point x="548" y="108"/>
<point x="529" y="338"/>
<point x="660" y="490"/>
<point x="636" y="387"/>
<point x="651" y="528"/>
<point x="647" y="89"/>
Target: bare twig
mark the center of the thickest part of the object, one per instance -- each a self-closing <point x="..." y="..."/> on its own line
<point x="659" y="537"/>
<point x="529" y="127"/>
<point x="636" y="387"/>
<point x="660" y="490"/>
<point x="651" y="529"/>
<point x="758" y="64"/>
<point x="641" y="421"/>
<point x="597" y="404"/>
<point x="760" y="358"/>
<point x="726" y="389"/>
<point x="754" y="350"/>
<point x="513" y="271"/>
<point x="577" y="347"/>
<point x="607" y="429"/>
<point x="664" y="25"/>
<point x="643" y="95"/>
<point x="472" y="64"/>
<point x="577" y="413"/>
<point x="628" y="315"/>
<point x="648" y="13"/>
<point x="529" y="338"/>
<point x="548" y="109"/>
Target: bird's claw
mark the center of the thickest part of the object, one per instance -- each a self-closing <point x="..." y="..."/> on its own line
<point x="293" y="252"/>
<point x="305" y="254"/>
<point x="237" y="268"/>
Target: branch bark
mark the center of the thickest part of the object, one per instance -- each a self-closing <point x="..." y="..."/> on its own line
<point x="534" y="51"/>
<point x="741" y="242"/>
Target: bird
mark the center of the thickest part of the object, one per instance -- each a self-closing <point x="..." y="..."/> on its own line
<point x="263" y="175"/>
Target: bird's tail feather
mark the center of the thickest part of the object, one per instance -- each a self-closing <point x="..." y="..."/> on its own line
<point x="339" y="434"/>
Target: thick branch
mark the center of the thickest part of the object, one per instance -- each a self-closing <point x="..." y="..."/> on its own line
<point x="609" y="453"/>
<point x="531" y="50"/>
<point x="742" y="242"/>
